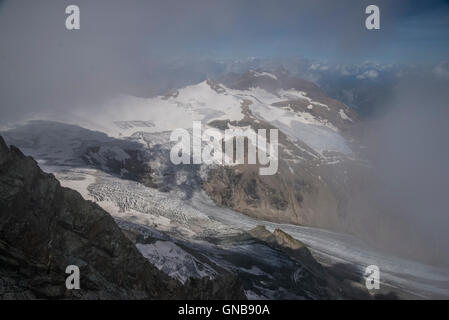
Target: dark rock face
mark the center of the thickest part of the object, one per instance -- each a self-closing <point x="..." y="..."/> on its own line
<point x="291" y="246"/>
<point x="324" y="282"/>
<point x="45" y="227"/>
<point x="304" y="190"/>
<point x="309" y="188"/>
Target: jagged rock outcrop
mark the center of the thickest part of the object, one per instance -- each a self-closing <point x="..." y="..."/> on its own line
<point x="330" y="283"/>
<point x="291" y="246"/>
<point x="45" y="227"/>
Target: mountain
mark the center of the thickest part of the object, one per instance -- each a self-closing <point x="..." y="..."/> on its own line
<point x="316" y="146"/>
<point x="319" y="162"/>
<point x="192" y="221"/>
<point x="45" y="227"/>
<point x="322" y="179"/>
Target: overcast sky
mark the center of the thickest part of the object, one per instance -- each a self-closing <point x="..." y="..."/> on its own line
<point x="410" y="29"/>
<point x="121" y="44"/>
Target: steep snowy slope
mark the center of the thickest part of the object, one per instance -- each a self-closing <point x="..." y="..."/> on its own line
<point x="317" y="153"/>
<point x="292" y="109"/>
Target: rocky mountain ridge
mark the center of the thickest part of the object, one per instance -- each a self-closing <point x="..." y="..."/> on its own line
<point x="45" y="227"/>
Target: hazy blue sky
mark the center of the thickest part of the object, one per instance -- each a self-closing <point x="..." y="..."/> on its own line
<point x="122" y="45"/>
<point x="411" y="30"/>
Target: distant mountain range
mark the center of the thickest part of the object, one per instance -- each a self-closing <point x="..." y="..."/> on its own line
<point x="364" y="86"/>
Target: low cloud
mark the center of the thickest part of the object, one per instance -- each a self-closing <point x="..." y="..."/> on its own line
<point x="406" y="206"/>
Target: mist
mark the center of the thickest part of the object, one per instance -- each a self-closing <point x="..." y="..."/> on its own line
<point x="130" y="47"/>
<point x="405" y="206"/>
